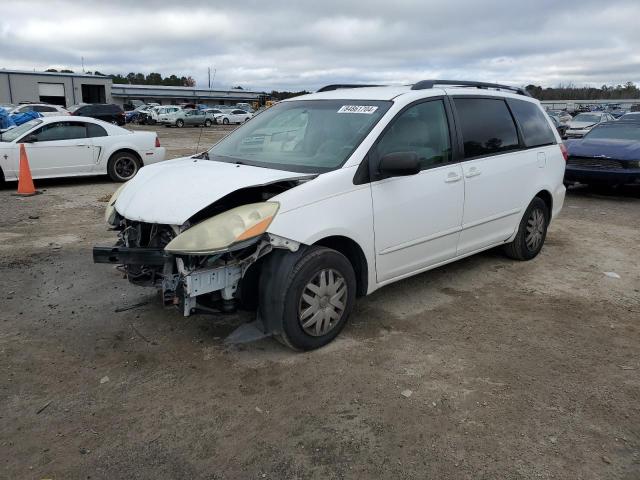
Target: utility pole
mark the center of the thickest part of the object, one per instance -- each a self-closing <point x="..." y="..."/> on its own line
<point x="209" y="75"/>
<point x="82" y="60"/>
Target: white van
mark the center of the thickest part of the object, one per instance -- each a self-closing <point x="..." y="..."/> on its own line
<point x="326" y="197"/>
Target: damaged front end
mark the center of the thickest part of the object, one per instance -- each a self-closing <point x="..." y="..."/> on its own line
<point x="189" y="281"/>
<point x="204" y="264"/>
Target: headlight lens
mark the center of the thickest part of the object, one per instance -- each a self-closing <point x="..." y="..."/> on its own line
<point x="110" y="211"/>
<point x="225" y="229"/>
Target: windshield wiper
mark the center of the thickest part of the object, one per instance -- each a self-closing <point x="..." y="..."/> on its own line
<point x="204" y="155"/>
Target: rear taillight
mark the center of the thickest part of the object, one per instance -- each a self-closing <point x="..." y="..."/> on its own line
<point x="157" y="142"/>
<point x="564" y="151"/>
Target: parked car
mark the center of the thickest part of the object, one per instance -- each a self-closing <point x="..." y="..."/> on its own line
<point x="43" y="109"/>
<point x="107" y="112"/>
<point x="154" y="114"/>
<point x="630" y="116"/>
<point x="609" y="154"/>
<point x="134" y="114"/>
<point x="329" y="196"/>
<point x="181" y="118"/>
<point x="584" y="122"/>
<point x="563" y="116"/>
<point x="233" y="116"/>
<point x="560" y="127"/>
<point x="66" y="146"/>
<point x="214" y="111"/>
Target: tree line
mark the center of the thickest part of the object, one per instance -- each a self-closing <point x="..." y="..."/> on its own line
<point x="572" y="92"/>
<point x="132" y="78"/>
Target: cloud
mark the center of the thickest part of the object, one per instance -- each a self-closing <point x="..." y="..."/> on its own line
<point x="293" y="45"/>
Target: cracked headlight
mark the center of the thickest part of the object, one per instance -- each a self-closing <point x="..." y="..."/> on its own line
<point x="110" y="211"/>
<point x="225" y="229"/>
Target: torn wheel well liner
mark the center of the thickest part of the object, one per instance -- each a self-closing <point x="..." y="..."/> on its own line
<point x="350" y="249"/>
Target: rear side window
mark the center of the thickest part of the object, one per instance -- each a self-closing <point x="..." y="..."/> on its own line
<point x="94" y="130"/>
<point x="487" y="126"/>
<point x="535" y="127"/>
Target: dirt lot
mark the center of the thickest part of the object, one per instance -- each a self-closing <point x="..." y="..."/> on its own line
<point x="517" y="370"/>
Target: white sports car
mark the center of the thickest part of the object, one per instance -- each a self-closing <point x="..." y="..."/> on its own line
<point x="77" y="146"/>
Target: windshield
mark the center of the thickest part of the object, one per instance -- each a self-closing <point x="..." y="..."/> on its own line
<point x="615" y="132"/>
<point x="586" y="117"/>
<point x="312" y="136"/>
<point x="17" y="132"/>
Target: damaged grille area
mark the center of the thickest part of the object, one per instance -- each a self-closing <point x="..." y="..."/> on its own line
<point x="145" y="235"/>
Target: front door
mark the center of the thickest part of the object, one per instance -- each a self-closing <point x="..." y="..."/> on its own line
<point x="417" y="218"/>
<point x="9" y="160"/>
<point x="60" y="148"/>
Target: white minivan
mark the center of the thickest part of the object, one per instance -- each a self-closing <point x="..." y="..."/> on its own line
<point x="329" y="196"/>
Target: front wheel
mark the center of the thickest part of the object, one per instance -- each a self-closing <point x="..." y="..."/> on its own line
<point x="179" y="123"/>
<point x="307" y="297"/>
<point x="225" y="121"/>
<point x="531" y="232"/>
<point x="207" y="123"/>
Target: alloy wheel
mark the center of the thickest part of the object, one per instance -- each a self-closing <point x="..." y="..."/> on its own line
<point x="125" y="167"/>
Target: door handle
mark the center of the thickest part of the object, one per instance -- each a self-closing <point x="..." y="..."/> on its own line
<point x="472" y="172"/>
<point x="452" y="177"/>
<point x="81" y="145"/>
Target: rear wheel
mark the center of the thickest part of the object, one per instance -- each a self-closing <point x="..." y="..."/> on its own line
<point x="123" y="166"/>
<point x="309" y="297"/>
<point x="179" y="123"/>
<point x="531" y="232"/>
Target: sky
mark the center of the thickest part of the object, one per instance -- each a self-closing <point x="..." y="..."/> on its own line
<point x="294" y="45"/>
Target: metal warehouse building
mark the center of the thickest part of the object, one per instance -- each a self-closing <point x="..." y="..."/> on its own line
<point x="63" y="89"/>
<point x="68" y="89"/>
<point x="176" y="95"/>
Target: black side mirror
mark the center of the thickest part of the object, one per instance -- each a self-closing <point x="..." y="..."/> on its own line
<point x="399" y="164"/>
<point x="29" y="139"/>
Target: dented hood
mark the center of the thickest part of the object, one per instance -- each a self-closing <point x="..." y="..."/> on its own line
<point x="171" y="192"/>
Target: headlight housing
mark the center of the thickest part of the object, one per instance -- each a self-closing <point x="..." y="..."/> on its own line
<point x="110" y="211"/>
<point x="223" y="230"/>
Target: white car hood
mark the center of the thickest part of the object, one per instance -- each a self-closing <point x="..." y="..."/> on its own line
<point x="171" y="192"/>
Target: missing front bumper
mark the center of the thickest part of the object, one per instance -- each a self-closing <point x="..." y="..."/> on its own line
<point x="130" y="256"/>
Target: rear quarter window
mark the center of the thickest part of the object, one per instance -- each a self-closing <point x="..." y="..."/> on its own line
<point x="533" y="123"/>
<point x="94" y="130"/>
<point x="487" y="126"/>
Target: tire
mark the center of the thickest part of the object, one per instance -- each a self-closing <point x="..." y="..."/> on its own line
<point x="207" y="123"/>
<point x="179" y="123"/>
<point x="225" y="121"/>
<point x="531" y="232"/>
<point x="123" y="166"/>
<point x="296" y="288"/>
<point x="246" y="120"/>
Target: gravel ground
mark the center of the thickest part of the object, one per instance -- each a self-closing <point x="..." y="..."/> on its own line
<point x="509" y="370"/>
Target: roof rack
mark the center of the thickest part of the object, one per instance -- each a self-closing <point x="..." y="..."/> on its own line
<point x="426" y="84"/>
<point x="340" y="86"/>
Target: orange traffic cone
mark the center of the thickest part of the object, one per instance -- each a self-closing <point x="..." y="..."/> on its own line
<point x="25" y="182"/>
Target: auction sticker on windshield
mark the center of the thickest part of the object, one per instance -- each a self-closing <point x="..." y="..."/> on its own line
<point x="366" y="109"/>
